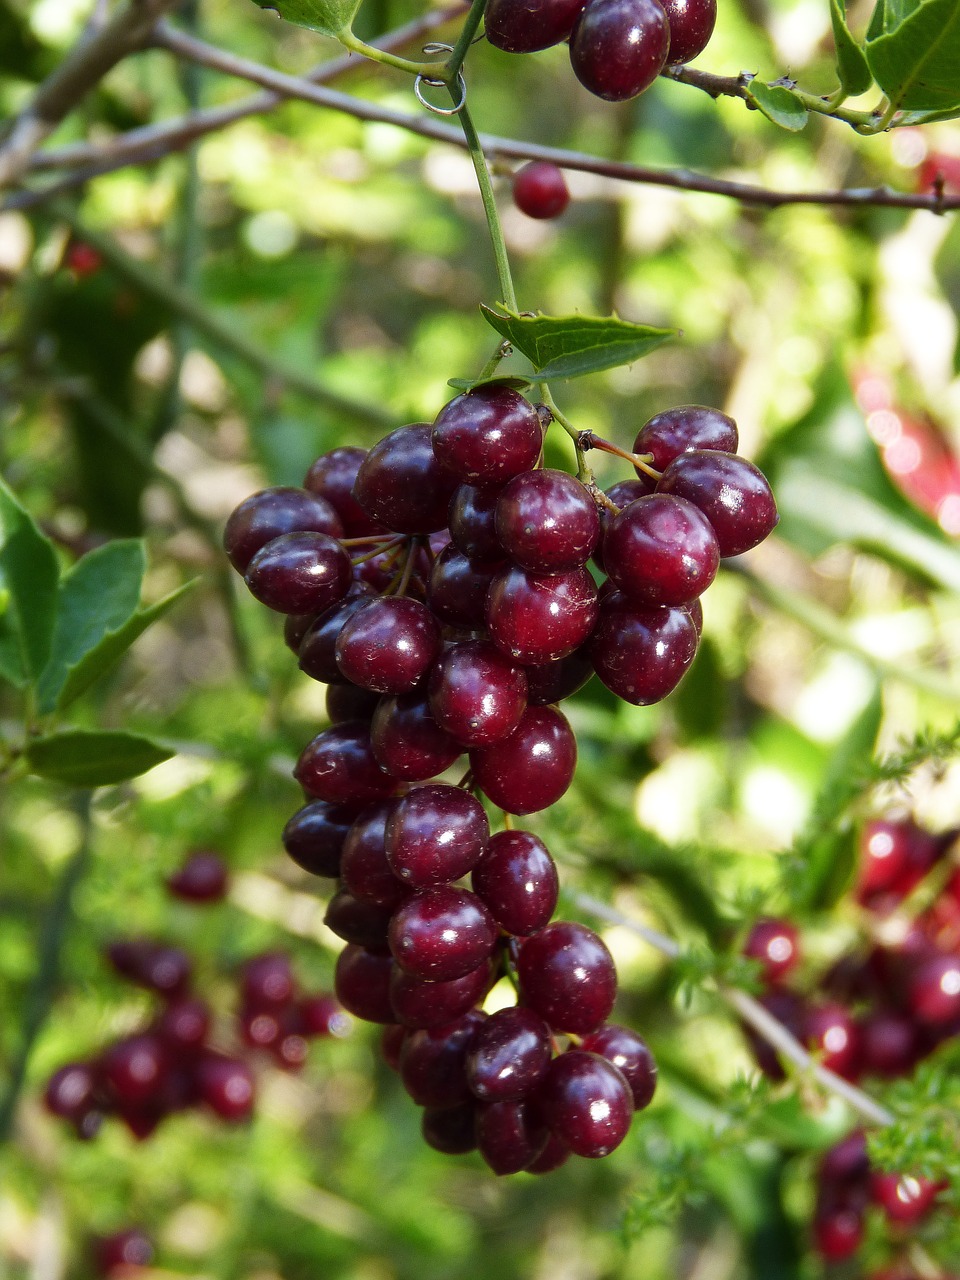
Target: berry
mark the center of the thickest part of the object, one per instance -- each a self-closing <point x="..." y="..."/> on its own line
<point x="362" y="984"/>
<point x="333" y="476"/>
<point x="202" y="878"/>
<point x="904" y="1199"/>
<point x="442" y="933"/>
<point x="510" y="1056"/>
<point x="517" y="880"/>
<point x="364" y="868"/>
<point x="450" y="1129"/>
<point x="83" y="259"/>
<point x="315" y="834"/>
<point x="267" y="981"/>
<point x="183" y="1027"/>
<point x="567" y="975"/>
<point x="272" y="512"/>
<point x="838" y="1233"/>
<point x="118" y="1254"/>
<point x="619" y="47"/>
<point x="226" y="1086"/>
<point x="403" y="484"/>
<point x="488" y="435"/>
<point x="358" y="920"/>
<point x="547" y="521"/>
<point x="135" y="1068"/>
<point x="540" y="190"/>
<point x="641" y="654"/>
<point x="407" y="741"/>
<point x="540" y="617"/>
<point x="661" y="551"/>
<point x="587" y="1103"/>
<point x="458" y="588"/>
<point x="691" y="26"/>
<point x="322" y="1016"/>
<point x="339" y="766"/>
<point x="730" y="491"/>
<point x="72" y="1091"/>
<point x="775" y="944"/>
<point x="935" y="991"/>
<point x="473" y="528"/>
<point x="510" y="1135"/>
<point x="418" y="1004"/>
<point x="888" y="1043"/>
<point x="688" y="426"/>
<point x="630" y="1055"/>
<point x="165" y="970"/>
<point x="550" y="682"/>
<point x="349" y="702"/>
<point x="525" y="26"/>
<point x="299" y="573"/>
<point x="477" y="695"/>
<point x="832" y="1034"/>
<point x="553" y="1155"/>
<point x="317" y="654"/>
<point x="435" y="835"/>
<point x="433" y="1061"/>
<point x="388" y="644"/>
<point x="532" y="767"/>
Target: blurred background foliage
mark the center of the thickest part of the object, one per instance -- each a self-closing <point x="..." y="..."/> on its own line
<point x="356" y="255"/>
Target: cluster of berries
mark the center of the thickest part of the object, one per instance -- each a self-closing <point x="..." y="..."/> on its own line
<point x="617" y="47"/>
<point x="171" y="1064"/>
<point x="468" y="615"/>
<point x="889" y="1006"/>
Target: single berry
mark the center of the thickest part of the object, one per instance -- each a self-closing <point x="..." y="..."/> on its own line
<point x="388" y="644"/>
<point x="315" y="834"/>
<point x="540" y="190"/>
<point x="272" y="512"/>
<point x="202" y="878"/>
<point x="403" y="484"/>
<point x="226" y="1086"/>
<point x="661" y="550"/>
<point x="433" y="1061"/>
<point x="457" y="589"/>
<point x="72" y="1091"/>
<point x="473" y="528"/>
<point x="333" y="476"/>
<point x="339" y="766"/>
<point x="417" y="1004"/>
<point x="510" y="1135"/>
<point x="619" y="47"/>
<point x="541" y="617"/>
<point x="691" y="26"/>
<point x="567" y="975"/>
<point x="435" y="835"/>
<point x="364" y="869"/>
<point x="775" y="943"/>
<point x="904" y="1199"/>
<point x="358" y="920"/>
<point x="510" y="1056"/>
<point x="267" y="981"/>
<point x="532" y="767"/>
<point x="935" y="991"/>
<point x="488" y="435"/>
<point x="477" y="694"/>
<point x="442" y="933"/>
<point x="122" y="1252"/>
<point x="349" y="702"/>
<point x="547" y="521"/>
<point x="407" y="741"/>
<point x="731" y="492"/>
<point x="685" y="427"/>
<point x="450" y="1130"/>
<point x="587" y="1103"/>
<point x="317" y="655"/>
<point x="525" y="26"/>
<point x="362" y="984"/>
<point x="183" y="1026"/>
<point x="641" y="654"/>
<point x="831" y="1033"/>
<point x="135" y="1068"/>
<point x="299" y="573"/>
<point x="550" y="682"/>
<point x="517" y="880"/>
<point x="631" y="1056"/>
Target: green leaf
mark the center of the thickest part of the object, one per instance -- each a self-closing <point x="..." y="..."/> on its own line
<point x="28" y="573"/>
<point x="469" y="384"/>
<point x="98" y="595"/>
<point x="877" y="20"/>
<point x="329" y="17"/>
<point x="570" y="346"/>
<point x="909" y="118"/>
<point x="852" y="65"/>
<point x="82" y="758"/>
<point x="113" y="644"/>
<point x="917" y="61"/>
<point x="778" y="104"/>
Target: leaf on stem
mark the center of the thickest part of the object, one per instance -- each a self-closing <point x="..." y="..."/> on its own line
<point x="915" y="59"/>
<point x="28" y="579"/>
<point x="81" y="758"/>
<point x="329" y="17"/>
<point x="778" y="104"/>
<point x="571" y="346"/>
<point x="471" y="384"/>
<point x="852" y="68"/>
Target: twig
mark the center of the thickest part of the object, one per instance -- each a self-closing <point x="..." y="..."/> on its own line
<point x="752" y="1012"/>
<point x="84" y="67"/>
<point x="46" y="979"/>
<point x="153" y="142"/>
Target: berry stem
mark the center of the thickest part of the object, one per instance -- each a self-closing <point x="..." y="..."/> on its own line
<point x="436" y="70"/>
<point x="377" y="550"/>
<point x="640" y="460"/>
<point x="464" y="40"/>
<point x="507" y="821"/>
<point x="508" y="293"/>
<point x="406" y="572"/>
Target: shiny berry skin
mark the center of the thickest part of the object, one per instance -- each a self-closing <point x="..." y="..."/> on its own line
<point x="388" y="645"/>
<point x="691" y="26"/>
<point x="525" y="26"/>
<point x="339" y="766"/>
<point x="267" y="981"/>
<point x="541" y="617"/>
<point x="517" y="880"/>
<point x="510" y="1056"/>
<point x="641" y="654"/>
<point x="550" y="682"/>
<point x="619" y="47"/>
<point x="259" y="1029"/>
<point x="435" y="835"/>
<point x="135" y="1068"/>
<point x="408" y="742"/>
<point x="71" y="1091"/>
<point x="473" y="528"/>
<point x="361" y="981"/>
<point x="364" y="869"/>
<point x="358" y="921"/>
<point x="457" y="589"/>
<point x="477" y="694"/>
<point x="510" y="1135"/>
<point x="540" y="190"/>
<point x="317" y="655"/>
<point x="418" y="1004"/>
<point x="450" y="1130"/>
<point x="904" y="1199"/>
<point x="403" y="484"/>
<point x="935" y="991"/>
<point x="838" y="1233"/>
<point x="553" y="1155"/>
<point x="226" y="1086"/>
<point x="488" y="436"/>
<point x="547" y="521"/>
<point x="433" y="1061"/>
<point x="775" y="943"/>
<point x="631" y="1056"/>
<point x="685" y="427"/>
<point x="349" y="702"/>
<point x="290" y="1048"/>
<point x="333" y="476"/>
<point x="661" y="550"/>
<point x="567" y="975"/>
<point x="299" y="573"/>
<point x="314" y="836"/>
<point x="322" y="1016"/>
<point x="183" y="1026"/>
<point x="272" y="512"/>
<point x="831" y="1033"/>
<point x="587" y="1103"/>
<point x="121" y="1253"/>
<point x="730" y="491"/>
<point x="165" y="970"/>
<point x="202" y="878"/>
<point x="442" y="933"/>
<point x="895" y="855"/>
<point x="532" y="767"/>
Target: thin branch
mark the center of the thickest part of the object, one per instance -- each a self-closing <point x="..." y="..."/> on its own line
<point x="97" y="52"/>
<point x="151" y="143"/>
<point x="738" y="87"/>
<point x="752" y="1012"/>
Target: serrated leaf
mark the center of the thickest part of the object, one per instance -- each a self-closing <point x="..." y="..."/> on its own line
<point x="917" y="61"/>
<point x="329" y="17"/>
<point x="111" y="648"/>
<point x="571" y="346"/>
<point x="28" y="573"/>
<point x="852" y="68"/>
<point x="470" y="384"/>
<point x="98" y="595"/>
<point x="82" y="758"/>
<point x="778" y="104"/>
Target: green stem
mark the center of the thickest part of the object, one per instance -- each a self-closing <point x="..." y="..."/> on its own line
<point x="508" y="294"/>
<point x="43" y="990"/>
<point x="465" y="39"/>
<point x="584" y="471"/>
<point x="435" y="70"/>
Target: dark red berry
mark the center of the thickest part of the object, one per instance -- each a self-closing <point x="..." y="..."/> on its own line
<point x="517" y="879"/>
<point x="731" y="492"/>
<point x="72" y="1091"/>
<point x="299" y="573"/>
<point x="272" y="512"/>
<point x="322" y="1016"/>
<point x="457" y="590"/>
<point x="83" y="259"/>
<point x="510" y="1056"/>
<point x="487" y="436"/>
<point x="903" y="1198"/>
<point x="838" y="1233"/>
<point x="388" y="644"/>
<point x="226" y="1086"/>
<point x="202" y="878"/>
<point x="641" y="654"/>
<point x="349" y="702"/>
<point x="775" y="943"/>
<point x="935" y="991"/>
<point x="183" y="1026"/>
<point x="442" y="933"/>
<point x="122" y="1253"/>
<point x="135" y="1068"/>
<point x="477" y="694"/>
<point x="587" y="1103"/>
<point x="525" y="26"/>
<point x="630" y="1054"/>
<point x="619" y="47"/>
<point x="547" y="521"/>
<point x="435" y="835"/>
<point x="267" y="981"/>
<point x="450" y="1130"/>
<point x="407" y="741"/>
<point x="473" y="528"/>
<point x="433" y="1061"/>
<point x="339" y="766"/>
<point x="364" y="868"/>
<point x="532" y="767"/>
<point x="165" y="970"/>
<point x="362" y="984"/>
<point x="333" y="476"/>
<point x="510" y="1135"/>
<point x="661" y="550"/>
<point x="418" y="1004"/>
<point x="691" y="26"/>
<point x="568" y="976"/>
<point x="541" y="617"/>
<point x="553" y="1155"/>
<point x="315" y="834"/>
<point x="540" y="190"/>
<point x="889" y="1043"/>
<point x="403" y="484"/>
<point x="553" y="681"/>
<point x="391" y="1045"/>
<point x="317" y="654"/>
<point x="831" y="1032"/>
<point x="359" y="921"/>
<point x="687" y="426"/>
